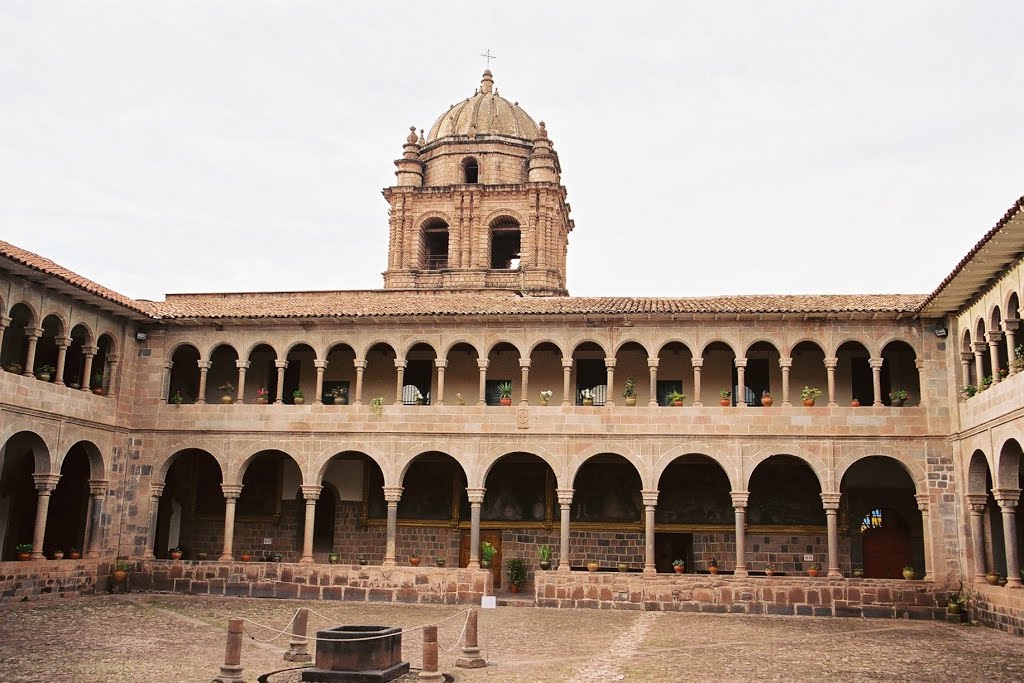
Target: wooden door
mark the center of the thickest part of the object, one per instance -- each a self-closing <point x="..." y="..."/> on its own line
<point x="494" y="538"/>
<point x="886" y="552"/>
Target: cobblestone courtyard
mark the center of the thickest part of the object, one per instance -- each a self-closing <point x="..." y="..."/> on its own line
<point x="152" y="638"/>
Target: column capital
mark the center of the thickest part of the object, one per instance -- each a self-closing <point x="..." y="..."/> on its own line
<point x="524" y="363"/>
<point x="400" y="364"/>
<point x="231" y="491"/>
<point x="977" y="501"/>
<point x="697" y="363"/>
<point x="482" y="363"/>
<point x="280" y="364"/>
<point x="993" y="337"/>
<point x="441" y="363"/>
<point x="1007" y="498"/>
<point x="785" y="363"/>
<point x="203" y="364"/>
<point x="156" y="490"/>
<point x="475" y="495"/>
<point x="4" y="321"/>
<point x="966" y="357"/>
<point x="566" y="363"/>
<point x="311" y="491"/>
<point x="46" y="482"/>
<point x="34" y="332"/>
<point x="98" y="487"/>
<point x="740" y="362"/>
<point x="1011" y="324"/>
<point x="876" y="362"/>
<point x="63" y="342"/>
<point x="113" y="359"/>
<point x="830" y="501"/>
<point x="609" y="362"/>
<point x="739" y="499"/>
<point x="564" y="496"/>
<point x="359" y="364"/>
<point x="320" y="364"/>
<point x="650" y="497"/>
<point x="831" y="363"/>
<point x="980" y="347"/>
<point x="393" y="494"/>
<point x="923" y="500"/>
<point x="91" y="351"/>
<point x="167" y="365"/>
<point x="242" y="364"/>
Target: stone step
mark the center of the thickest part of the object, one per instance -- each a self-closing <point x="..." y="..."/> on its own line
<point x="515" y="600"/>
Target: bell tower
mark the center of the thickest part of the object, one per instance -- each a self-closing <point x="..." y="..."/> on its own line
<point x="478" y="203"/>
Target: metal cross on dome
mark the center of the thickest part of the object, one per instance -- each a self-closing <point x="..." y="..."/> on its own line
<point x="488" y="56"/>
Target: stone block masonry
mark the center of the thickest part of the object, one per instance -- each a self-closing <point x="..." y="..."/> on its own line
<point x="46" y="579"/>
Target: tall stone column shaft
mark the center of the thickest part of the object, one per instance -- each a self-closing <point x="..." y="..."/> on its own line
<point x="1010" y="326"/>
<point x="311" y="493"/>
<point x="652" y="371"/>
<point x="739" y="506"/>
<point x="785" y="364"/>
<point x="965" y="367"/>
<point x="524" y="381"/>
<point x="97" y="493"/>
<point x="564" y="503"/>
<point x="476" y="499"/>
<point x="741" y="383"/>
<point x="242" y="366"/>
<point x="45" y="484"/>
<point x="204" y="371"/>
<point x="360" y="366"/>
<point x="650" y="499"/>
<point x="392" y="494"/>
<point x="979" y="360"/>
<point x="441" y="366"/>
<point x="63" y="343"/>
<point x="923" y="501"/>
<point x="993" y="353"/>
<point x="399" y="380"/>
<point x="281" y="365"/>
<point x="88" y="353"/>
<point x="166" y="383"/>
<point x="568" y="398"/>
<point x="609" y="368"/>
<point x="830" y="501"/>
<point x="977" y="505"/>
<point x="830" y="368"/>
<point x="482" y="364"/>
<point x="32" y="338"/>
<point x="321" y="366"/>
<point x="698" y="366"/>
<point x="876" y="379"/>
<point x="231" y="493"/>
<point x="1007" y="499"/>
<point x="155" y="491"/>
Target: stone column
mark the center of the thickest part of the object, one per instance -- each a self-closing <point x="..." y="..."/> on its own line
<point x="310" y="492"/>
<point x="32" y="335"/>
<point x="785" y="364"/>
<point x="876" y="379"/>
<point x="978" y="502"/>
<point x="112" y="361"/>
<point x="564" y="503"/>
<point x="204" y="371"/>
<point x="45" y="484"/>
<point x="993" y="353"/>
<point x="830" y="368"/>
<point x="231" y="493"/>
<point x="741" y="383"/>
<point x="698" y="366"/>
<point x="360" y="366"/>
<point x="965" y="367"/>
<point x="568" y="398"/>
<point x="63" y="343"/>
<point x="441" y="365"/>
<point x="476" y="499"/>
<point x="392" y="494"/>
<point x="739" y="506"/>
<point x="979" y="360"/>
<point x="922" y="505"/>
<point x="830" y="501"/>
<point x="399" y="380"/>
<point x="166" y="383"/>
<point x="320" y="366"/>
<point x="919" y="364"/>
<point x="482" y="364"/>
<point x="242" y="366"/>
<point x="609" y="367"/>
<point x="524" y="381"/>
<point x="280" y="365"/>
<point x="4" y="322"/>
<point x="155" y="491"/>
<point x="1010" y="326"/>
<point x="652" y="371"/>
<point x="1007" y="499"/>
<point x="97" y="492"/>
<point x="650" y="499"/>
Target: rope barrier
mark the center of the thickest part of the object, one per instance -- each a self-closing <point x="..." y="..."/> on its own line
<point x="459" y="639"/>
<point x="347" y="640"/>
<point x="279" y="634"/>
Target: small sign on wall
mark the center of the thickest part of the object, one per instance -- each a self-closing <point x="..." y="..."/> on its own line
<point x="808" y="557"/>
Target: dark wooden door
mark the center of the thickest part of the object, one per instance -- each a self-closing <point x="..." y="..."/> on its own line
<point x="494" y="538"/>
<point x="886" y="552"/>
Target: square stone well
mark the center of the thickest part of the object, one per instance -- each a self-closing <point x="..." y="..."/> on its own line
<point x="358" y="654"/>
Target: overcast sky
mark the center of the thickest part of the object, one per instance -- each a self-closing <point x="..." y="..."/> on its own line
<point x="708" y="148"/>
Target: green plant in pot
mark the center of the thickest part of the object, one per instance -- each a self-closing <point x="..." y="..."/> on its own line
<point x="678" y="566"/>
<point x="298" y="398"/>
<point x="675" y="398"/>
<point x="809" y="395"/>
<point x="44" y="372"/>
<point x="898" y="397"/>
<point x="24" y="551"/>
<point x="227" y="393"/>
<point x="516" y="574"/>
<point x="629" y="391"/>
<point x="363" y="559"/>
<point x="957" y="600"/>
<point x="332" y="557"/>
<point x="505" y="389"/>
<point x="545" y="557"/>
<point x="487" y="551"/>
<point x="908" y="573"/>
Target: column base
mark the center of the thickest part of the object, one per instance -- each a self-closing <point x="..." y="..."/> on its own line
<point x="38" y="556"/>
<point x="787" y="404"/>
<point x="1014" y="583"/>
<point x="226" y="558"/>
<point x="471" y="661"/>
<point x="473" y="564"/>
<point x="650" y="571"/>
<point x="229" y="674"/>
<point x="389" y="562"/>
<point x="564" y="569"/>
<point x="306" y="560"/>
<point x="740" y="571"/>
<point x="834" y="574"/>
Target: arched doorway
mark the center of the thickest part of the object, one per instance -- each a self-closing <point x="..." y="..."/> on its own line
<point x="23" y="455"/>
<point x="786" y="515"/>
<point x="350" y="519"/>
<point x="899" y="373"/>
<point x="694" y="518"/>
<point x="184" y="384"/>
<point x="68" y="518"/>
<point x="607" y="513"/>
<point x="13" y="354"/>
<point x="190" y="514"/>
<point x="431" y="509"/>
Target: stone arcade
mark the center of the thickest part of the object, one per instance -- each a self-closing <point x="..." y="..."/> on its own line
<point x="369" y="423"/>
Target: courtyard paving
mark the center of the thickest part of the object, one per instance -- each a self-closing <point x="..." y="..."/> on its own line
<point x="154" y="638"/>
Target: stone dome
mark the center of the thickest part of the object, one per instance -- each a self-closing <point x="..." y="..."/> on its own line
<point x="485" y="113"/>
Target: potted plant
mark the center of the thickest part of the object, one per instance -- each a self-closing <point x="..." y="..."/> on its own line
<point x="44" y="372"/>
<point x="713" y="566"/>
<point x="593" y="566"/>
<point x="414" y="558"/>
<point x="858" y="571"/>
<point x="298" y="398"/>
<point x="418" y="397"/>
<point x="956" y="600"/>
<point x="991" y="576"/>
<point x="120" y="574"/>
<point x="339" y="396"/>
<point x="97" y="384"/>
<point x="1003" y="373"/>
<point x="623" y="567"/>
<point x="75" y="554"/>
<point x="678" y="566"/>
<point x="362" y="559"/>
<point x="809" y="395"/>
<point x="24" y="551"/>
<point x="1018" y="358"/>
<point x="986" y="382"/>
<point x="766" y="399"/>
<point x="726" y="399"/>
<point x="587" y="396"/>
<point x="505" y="389"/>
<point x="898" y="397"/>
<point x="675" y="398"/>
<point x="908" y="573"/>
<point x="245" y="556"/>
<point x="332" y="557"/>
<point x="545" y="557"/>
<point x="276" y="557"/>
<point x="459" y="401"/>
<point x="487" y="551"/>
<point x="13" y="368"/>
<point x="440" y="561"/>
<point x="227" y="393"/>
<point x="855" y="403"/>
<point x="177" y="399"/>
<point x="814" y="569"/>
<point x="58" y="554"/>
<point x="629" y="391"/>
<point x="969" y="390"/>
<point x="769" y="569"/>
<point x="545" y="397"/>
<point x="377" y="406"/>
<point x="516" y="574"/>
<point x="175" y="553"/>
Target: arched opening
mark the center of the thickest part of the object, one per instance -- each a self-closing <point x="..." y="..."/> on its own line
<point x="607" y="513"/>
<point x="979" y="486"/>
<point x="190" y="514"/>
<point x="102" y="367"/>
<point x="505" y="243"/>
<point x="631" y="371"/>
<point x="222" y="375"/>
<point x="300" y="375"/>
<point x="763" y="375"/>
<point x="261" y="377"/>
<point x="590" y="374"/>
<point x="68" y="516"/>
<point x="502" y="371"/>
<point x="970" y="377"/>
<point x="420" y="373"/>
<point x="271" y="493"/>
<point x="381" y="375"/>
<point x="996" y="325"/>
<point x="470" y="171"/>
<point x="434" y="244"/>
<point x="694" y="518"/>
<point x="46" y="348"/>
<point x="981" y="346"/>
<point x="432" y="505"/>
<point x="339" y="376"/>
<point x="74" y="360"/>
<point x="854" y="380"/>
<point x="718" y="373"/>
<point x="546" y="374"/>
<point x="899" y="373"/>
<point x="1012" y="322"/>
<point x="1011" y="475"/>
<point x="15" y="347"/>
<point x="675" y="373"/>
<point x="18" y="460"/>
<point x="184" y="384"/>
<point x="884" y="532"/>
<point x="358" y="524"/>
<point x="785" y="513"/>
<point x="808" y="370"/>
<point x="461" y="376"/>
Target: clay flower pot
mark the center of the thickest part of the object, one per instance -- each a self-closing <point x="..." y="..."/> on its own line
<point x="725" y="402"/>
<point x="25" y="557"/>
<point x="713" y="570"/>
<point x="245" y="557"/>
<point x="991" y="577"/>
<point x="767" y="401"/>
<point x="809" y="402"/>
<point x="505" y="400"/>
<point x="812" y="572"/>
<point x="74" y="555"/>
<point x="769" y="572"/>
<point x="513" y="587"/>
<point x="58" y="555"/>
<point x="858" y="573"/>
<point x="678" y="568"/>
<point x="120" y="576"/>
<point x="175" y="554"/>
<point x="414" y="560"/>
<point x="623" y="567"/>
<point x="909" y="574"/>
<point x="855" y="403"/>
<point x="545" y="564"/>
<point x="631" y="400"/>
<point x="593" y="566"/>
<point x="226" y="399"/>
<point x="588" y="401"/>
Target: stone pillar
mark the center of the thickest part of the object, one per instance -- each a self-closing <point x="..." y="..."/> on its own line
<point x="739" y="506"/>
<point x="650" y="499"/>
<point x="993" y="353"/>
<point x="88" y="353"/>
<point x="231" y="493"/>
<point x="830" y="368"/>
<point x="919" y="364"/>
<point x="320" y="366"/>
<point x="830" y="501"/>
<point x="524" y="380"/>
<point x="231" y="670"/>
<point x="155" y="491"/>
<point x="564" y="503"/>
<point x="741" y="383"/>
<point x="63" y="343"/>
<point x="204" y="370"/>
<point x="97" y="492"/>
<point x="1010" y="326"/>
<point x="609" y="367"/>
<point x="876" y="379"/>
<point x="392" y="494"/>
<point x="441" y="366"/>
<point x="979" y="360"/>
<point x="785" y="364"/>
<point x="360" y="366"/>
<point x="568" y="398"/>
<point x="652" y="371"/>
<point x="965" y="367"/>
<point x="399" y="380"/>
<point x="922" y="505"/>
<point x="1007" y="499"/>
<point x="32" y="335"/>
<point x="298" y="644"/>
<point x="310" y="492"/>
<point x="112" y="361"/>
<point x="698" y="365"/>
<point x="166" y="383"/>
<point x="482" y="364"/>
<point x="476" y="499"/>
<point x="4" y="322"/>
<point x="242" y="366"/>
<point x="978" y="503"/>
<point x="45" y="484"/>
<point x="280" y="365"/>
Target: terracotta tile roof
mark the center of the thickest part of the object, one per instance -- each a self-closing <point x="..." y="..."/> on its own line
<point x="46" y="266"/>
<point x="382" y="303"/>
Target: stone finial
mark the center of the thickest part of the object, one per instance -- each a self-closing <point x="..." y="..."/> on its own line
<point x="412" y="139"/>
<point x="423" y="138"/>
<point x="543" y="132"/>
<point x="487" y="84"/>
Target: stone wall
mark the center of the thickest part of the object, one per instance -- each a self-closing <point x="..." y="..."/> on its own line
<point x="998" y="608"/>
<point x="42" y="579"/>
